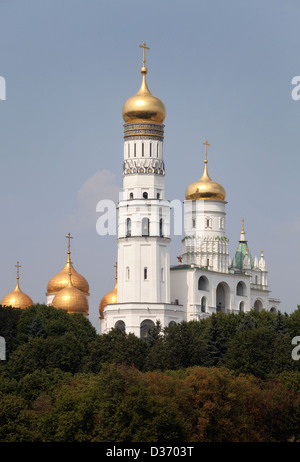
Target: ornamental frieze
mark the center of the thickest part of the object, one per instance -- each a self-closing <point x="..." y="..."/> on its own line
<point x="143" y="166"/>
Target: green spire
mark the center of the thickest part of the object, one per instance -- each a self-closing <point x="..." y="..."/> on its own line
<point x="241" y="252"/>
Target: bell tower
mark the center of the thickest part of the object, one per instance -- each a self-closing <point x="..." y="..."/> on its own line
<point x="205" y="244"/>
<point x="143" y="292"/>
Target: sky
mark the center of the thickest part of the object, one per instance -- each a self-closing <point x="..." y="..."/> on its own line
<point x="224" y="71"/>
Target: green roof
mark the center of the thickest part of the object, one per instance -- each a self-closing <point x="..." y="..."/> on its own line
<point x="240" y="256"/>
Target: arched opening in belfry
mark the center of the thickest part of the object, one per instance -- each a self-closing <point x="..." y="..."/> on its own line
<point x="203" y="283"/>
<point x="258" y="306"/>
<point x="222" y="297"/>
<point x="145" y="326"/>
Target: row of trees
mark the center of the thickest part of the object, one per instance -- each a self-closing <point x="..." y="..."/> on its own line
<point x="43" y="337"/>
<point x="225" y="378"/>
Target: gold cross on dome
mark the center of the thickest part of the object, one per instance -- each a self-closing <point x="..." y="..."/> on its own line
<point x="243" y="221"/>
<point x="206" y="144"/>
<point x="18" y="266"/>
<point x="144" y="49"/>
<point x="116" y="266"/>
<point x="69" y="237"/>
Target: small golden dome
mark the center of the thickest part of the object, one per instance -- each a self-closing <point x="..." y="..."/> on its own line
<point x="205" y="188"/>
<point x="17" y="298"/>
<point x="61" y="280"/>
<point x="143" y="106"/>
<point x="109" y="299"/>
<point x="71" y="300"/>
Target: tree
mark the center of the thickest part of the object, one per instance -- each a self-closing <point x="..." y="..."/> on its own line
<point x="65" y="353"/>
<point x="181" y="345"/>
<point x="279" y="324"/>
<point x="55" y="323"/>
<point x="37" y="328"/>
<point x="253" y="351"/>
<point x="247" y="322"/>
<point x="116" y="347"/>
<point x="216" y="344"/>
<point x="9" y="318"/>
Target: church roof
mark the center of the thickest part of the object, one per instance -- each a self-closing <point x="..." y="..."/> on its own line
<point x="242" y="252"/>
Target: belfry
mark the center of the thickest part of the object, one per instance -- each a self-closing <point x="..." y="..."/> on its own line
<point x="143" y="289"/>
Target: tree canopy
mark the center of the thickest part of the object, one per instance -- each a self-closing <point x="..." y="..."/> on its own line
<point x="224" y="378"/>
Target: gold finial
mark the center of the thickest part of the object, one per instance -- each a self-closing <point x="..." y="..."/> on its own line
<point x="18" y="266"/>
<point x="116" y="266"/>
<point x="243" y="230"/>
<point x="144" y="53"/>
<point x="69" y="237"/>
<point x="70" y="275"/>
<point x="206" y="144"/>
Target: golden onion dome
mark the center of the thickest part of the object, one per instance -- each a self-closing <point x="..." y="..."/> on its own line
<point x="143" y="106"/>
<point x="71" y="300"/>
<point x="108" y="299"/>
<point x="17" y="298"/>
<point x="205" y="188"/>
<point x="61" y="280"/>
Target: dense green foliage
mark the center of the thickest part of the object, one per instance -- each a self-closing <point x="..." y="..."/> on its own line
<point x="225" y="378"/>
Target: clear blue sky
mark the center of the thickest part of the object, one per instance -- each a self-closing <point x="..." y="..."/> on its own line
<point x="223" y="71"/>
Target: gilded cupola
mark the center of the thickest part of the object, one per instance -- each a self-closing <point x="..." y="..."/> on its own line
<point x="61" y="280"/>
<point x="143" y="106"/>
<point x="71" y="299"/>
<point x="205" y="188"/>
<point x="17" y="298"/>
<point x="110" y="298"/>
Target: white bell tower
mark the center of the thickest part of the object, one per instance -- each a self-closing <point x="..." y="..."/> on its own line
<point x="205" y="244"/>
<point x="143" y="293"/>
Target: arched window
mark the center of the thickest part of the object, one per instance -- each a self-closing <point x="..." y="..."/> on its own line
<point x="142" y="149"/>
<point x="258" y="306"/>
<point x="145" y="273"/>
<point x="208" y="222"/>
<point x="242" y="306"/>
<point x="273" y="309"/>
<point x="131" y="196"/>
<point x="145" y="326"/>
<point x="150" y="153"/>
<point x="120" y="325"/>
<point x="157" y="196"/>
<point x="161" y="227"/>
<point x="128" y="227"/>
<point x="127" y="273"/>
<point x="203" y="304"/>
<point x="241" y="288"/>
<point x="222" y="297"/>
<point x="145" y="195"/>
<point x="202" y="283"/>
<point x="145" y="226"/>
